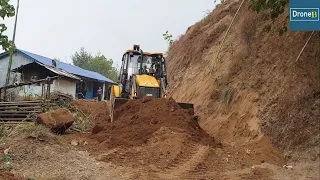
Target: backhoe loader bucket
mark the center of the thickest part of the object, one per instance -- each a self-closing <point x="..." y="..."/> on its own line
<point x="116" y="102"/>
<point x="186" y="106"/>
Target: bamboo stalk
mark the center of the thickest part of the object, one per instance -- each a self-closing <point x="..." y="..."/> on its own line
<point x="212" y="66"/>
<point x="305" y="45"/>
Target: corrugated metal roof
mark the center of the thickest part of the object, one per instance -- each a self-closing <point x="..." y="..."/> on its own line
<point x="50" y="68"/>
<point x="67" y="67"/>
<point x="60" y="71"/>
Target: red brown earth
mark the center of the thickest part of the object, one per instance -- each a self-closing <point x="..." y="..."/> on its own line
<point x="137" y="120"/>
<point x="58" y="121"/>
<point x="10" y="176"/>
<point x="97" y="111"/>
<point x="257" y="108"/>
<point x="157" y="136"/>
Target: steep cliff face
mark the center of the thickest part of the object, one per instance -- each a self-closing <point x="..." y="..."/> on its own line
<point x="257" y="87"/>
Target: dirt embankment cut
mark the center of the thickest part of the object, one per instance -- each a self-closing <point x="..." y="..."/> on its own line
<point x="257" y="85"/>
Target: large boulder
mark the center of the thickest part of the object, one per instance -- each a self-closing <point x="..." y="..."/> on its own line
<point x="58" y="121"/>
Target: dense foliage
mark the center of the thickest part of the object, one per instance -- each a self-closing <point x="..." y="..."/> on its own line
<point x="6" y="10"/>
<point x="273" y="8"/>
<point x="98" y="63"/>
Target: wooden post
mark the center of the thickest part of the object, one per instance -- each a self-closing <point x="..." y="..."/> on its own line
<point x="4" y="94"/>
<point x="42" y="91"/>
<point x="103" y="91"/>
<point x="48" y="89"/>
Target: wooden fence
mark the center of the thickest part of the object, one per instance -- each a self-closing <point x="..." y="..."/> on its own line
<point x="20" y="111"/>
<point x="25" y="111"/>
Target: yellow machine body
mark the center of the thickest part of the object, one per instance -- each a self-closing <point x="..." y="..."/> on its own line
<point x="141" y="83"/>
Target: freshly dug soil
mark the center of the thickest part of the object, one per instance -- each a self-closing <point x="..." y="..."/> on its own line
<point x="58" y="121"/>
<point x="137" y="120"/>
<point x="9" y="176"/>
<point x="98" y="111"/>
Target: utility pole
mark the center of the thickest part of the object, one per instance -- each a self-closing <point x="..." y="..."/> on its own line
<point x="11" y="52"/>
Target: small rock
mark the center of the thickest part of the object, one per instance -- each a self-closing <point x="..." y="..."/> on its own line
<point x="288" y="167"/>
<point x="248" y="151"/>
<point x="85" y="143"/>
<point x="172" y="109"/>
<point x="74" y="143"/>
<point x="262" y="161"/>
<point x="6" y="151"/>
<point x="58" y="121"/>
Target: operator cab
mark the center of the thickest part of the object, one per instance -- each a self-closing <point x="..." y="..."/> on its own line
<point x="153" y="64"/>
<point x="136" y="62"/>
<point x="135" y="65"/>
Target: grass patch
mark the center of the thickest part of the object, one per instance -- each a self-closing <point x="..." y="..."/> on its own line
<point x="226" y="94"/>
<point x="242" y="86"/>
<point x="4" y="131"/>
<point x="81" y="121"/>
<point x="7" y="167"/>
<point x="7" y="157"/>
<point x="7" y="162"/>
<point x="33" y="130"/>
<point x="207" y="17"/>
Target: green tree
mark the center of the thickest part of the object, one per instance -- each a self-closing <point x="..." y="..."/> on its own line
<point x="98" y="63"/>
<point x="168" y="37"/>
<point x="103" y="66"/>
<point x="274" y="9"/>
<point x="6" y="10"/>
<point x="82" y="58"/>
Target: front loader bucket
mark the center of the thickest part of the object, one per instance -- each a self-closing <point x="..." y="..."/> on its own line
<point x="116" y="102"/>
<point x="186" y="106"/>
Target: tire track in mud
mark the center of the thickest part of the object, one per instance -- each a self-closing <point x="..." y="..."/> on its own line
<point x="185" y="166"/>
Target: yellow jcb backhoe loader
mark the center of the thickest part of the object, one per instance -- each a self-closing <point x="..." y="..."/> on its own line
<point x="141" y="74"/>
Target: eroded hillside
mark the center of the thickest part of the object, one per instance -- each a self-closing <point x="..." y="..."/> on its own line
<point x="257" y="93"/>
<point x="257" y="87"/>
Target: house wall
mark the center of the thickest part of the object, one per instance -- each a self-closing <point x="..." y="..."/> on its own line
<point x="31" y="90"/>
<point x="17" y="61"/>
<point x="65" y="86"/>
<point x="62" y="85"/>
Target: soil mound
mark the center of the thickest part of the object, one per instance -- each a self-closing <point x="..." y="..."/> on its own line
<point x="58" y="121"/>
<point x="137" y="120"/>
<point x="98" y="111"/>
<point x="9" y="176"/>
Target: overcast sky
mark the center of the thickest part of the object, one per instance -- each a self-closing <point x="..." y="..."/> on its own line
<point x="58" y="28"/>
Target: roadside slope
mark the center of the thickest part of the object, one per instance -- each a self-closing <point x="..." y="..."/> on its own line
<point x="256" y="87"/>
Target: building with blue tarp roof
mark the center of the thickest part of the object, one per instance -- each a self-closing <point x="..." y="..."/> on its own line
<point x="88" y="85"/>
